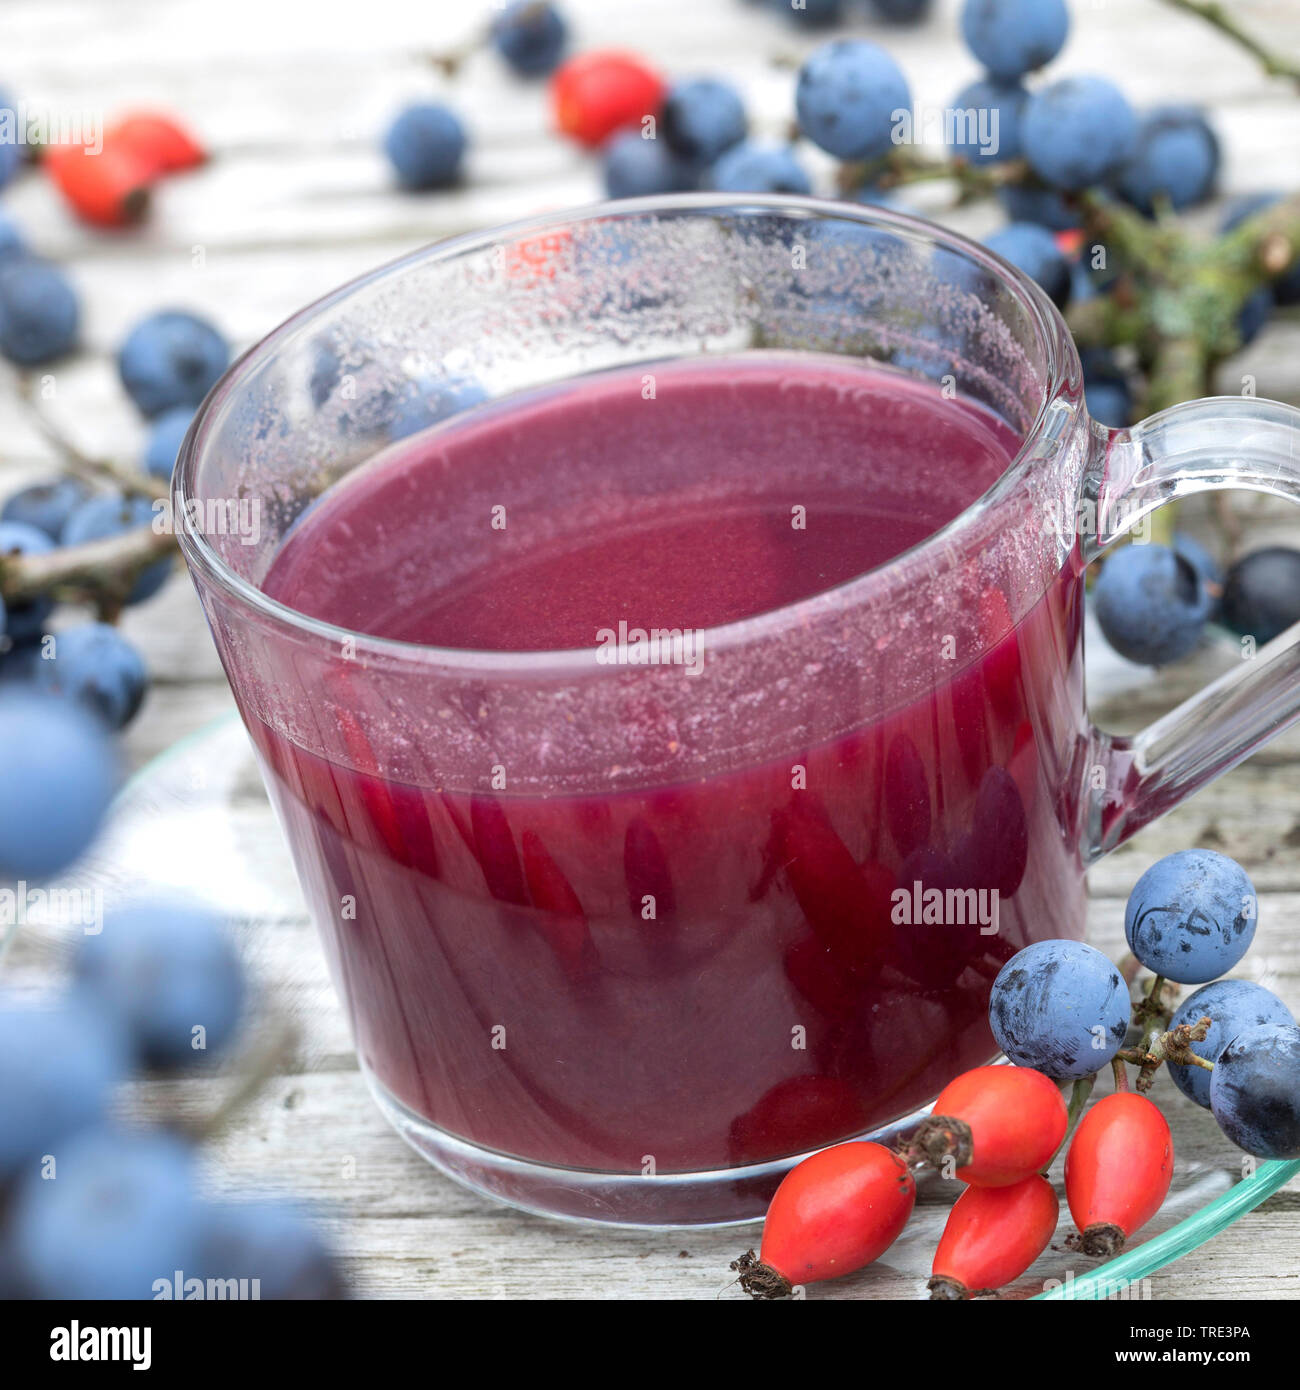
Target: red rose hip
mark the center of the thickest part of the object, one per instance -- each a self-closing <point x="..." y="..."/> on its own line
<point x="595" y="94"/>
<point x="1118" y="1170"/>
<point x="997" y="1125"/>
<point x="993" y="1235"/>
<point x="835" y="1212"/>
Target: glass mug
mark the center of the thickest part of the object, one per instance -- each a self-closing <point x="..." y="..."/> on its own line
<point x="621" y="943"/>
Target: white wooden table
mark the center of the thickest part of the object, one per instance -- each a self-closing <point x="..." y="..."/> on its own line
<point x="292" y="99"/>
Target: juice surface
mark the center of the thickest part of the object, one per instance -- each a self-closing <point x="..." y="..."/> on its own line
<point x="735" y="488"/>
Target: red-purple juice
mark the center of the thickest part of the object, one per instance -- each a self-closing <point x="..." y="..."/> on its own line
<point x="502" y="975"/>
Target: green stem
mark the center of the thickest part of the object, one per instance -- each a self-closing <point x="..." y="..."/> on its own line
<point x="1103" y="322"/>
<point x="1179" y="372"/>
<point x="1216" y="15"/>
<point x="1138" y="243"/>
<point x="1079" y="1094"/>
<point x="906" y="166"/>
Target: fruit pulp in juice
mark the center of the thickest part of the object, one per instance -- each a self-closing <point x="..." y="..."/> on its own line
<point x="502" y="977"/>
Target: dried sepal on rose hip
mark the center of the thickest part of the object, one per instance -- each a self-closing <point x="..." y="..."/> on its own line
<point x="834" y="1213"/>
<point x="992" y="1127"/>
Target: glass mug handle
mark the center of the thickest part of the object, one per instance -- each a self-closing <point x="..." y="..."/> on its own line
<point x="1200" y="446"/>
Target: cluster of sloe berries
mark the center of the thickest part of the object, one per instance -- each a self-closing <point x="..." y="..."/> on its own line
<point x="92" y="1208"/>
<point x="63" y="692"/>
<point x="89" y="1206"/>
<point x="1063" y="1008"/>
<point x="1154" y="603"/>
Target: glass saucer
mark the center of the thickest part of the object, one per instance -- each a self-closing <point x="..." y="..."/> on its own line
<point x="196" y="821"/>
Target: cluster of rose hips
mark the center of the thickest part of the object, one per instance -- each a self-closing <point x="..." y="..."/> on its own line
<point x="995" y="1129"/>
<point x="1061" y="1012"/>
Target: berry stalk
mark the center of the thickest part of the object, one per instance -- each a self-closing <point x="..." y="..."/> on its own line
<point x="75" y="459"/>
<point x="1079" y="1094"/>
<point x="1221" y="18"/>
<point x="103" y="572"/>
